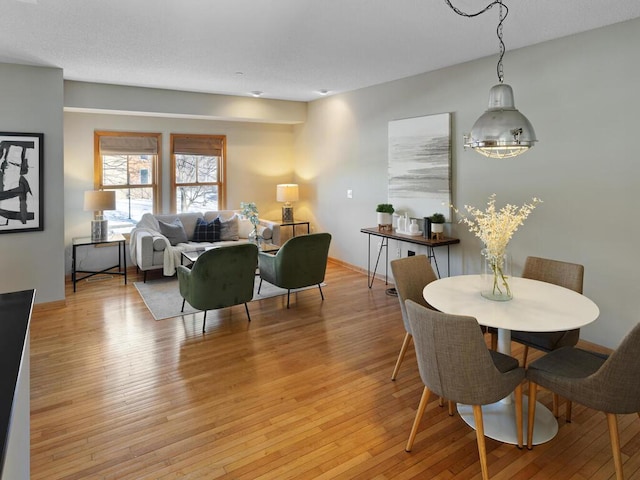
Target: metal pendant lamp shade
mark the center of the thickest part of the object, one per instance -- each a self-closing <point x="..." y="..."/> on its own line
<point x="502" y="131"/>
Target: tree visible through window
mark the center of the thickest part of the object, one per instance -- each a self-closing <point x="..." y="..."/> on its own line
<point x="197" y="172"/>
<point x="128" y="164"/>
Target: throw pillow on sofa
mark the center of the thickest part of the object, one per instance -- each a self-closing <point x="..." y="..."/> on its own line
<point x="229" y="228"/>
<point x="207" y="231"/>
<point x="245" y="227"/>
<point x="173" y="231"/>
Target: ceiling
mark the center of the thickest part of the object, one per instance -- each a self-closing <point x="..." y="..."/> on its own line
<point x="287" y="49"/>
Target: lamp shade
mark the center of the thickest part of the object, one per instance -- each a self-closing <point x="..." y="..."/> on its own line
<point x="502" y="131"/>
<point x="287" y="192"/>
<point x="99" y="200"/>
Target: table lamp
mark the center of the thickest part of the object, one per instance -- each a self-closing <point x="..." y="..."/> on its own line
<point x="98" y="201"/>
<point x="287" y="193"/>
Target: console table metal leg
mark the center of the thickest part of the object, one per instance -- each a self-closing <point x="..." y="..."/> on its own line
<point x="383" y="244"/>
<point x="432" y="254"/>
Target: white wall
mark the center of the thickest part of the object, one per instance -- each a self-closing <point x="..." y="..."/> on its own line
<point x="32" y="103"/>
<point x="259" y="156"/>
<point x="581" y="95"/>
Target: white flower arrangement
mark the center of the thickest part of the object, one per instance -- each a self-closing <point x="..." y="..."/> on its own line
<point x="495" y="228"/>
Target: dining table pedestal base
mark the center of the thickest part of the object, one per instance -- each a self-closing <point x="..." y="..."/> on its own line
<point x="499" y="421"/>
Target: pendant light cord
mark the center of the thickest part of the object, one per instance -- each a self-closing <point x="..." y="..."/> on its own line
<point x="498" y="30"/>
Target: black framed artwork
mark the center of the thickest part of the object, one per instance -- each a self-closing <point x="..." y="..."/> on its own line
<point x="21" y="182"/>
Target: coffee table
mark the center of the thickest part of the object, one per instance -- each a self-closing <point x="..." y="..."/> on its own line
<point x="192" y="255"/>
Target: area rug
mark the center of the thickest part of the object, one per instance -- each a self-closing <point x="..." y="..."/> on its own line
<point x="163" y="299"/>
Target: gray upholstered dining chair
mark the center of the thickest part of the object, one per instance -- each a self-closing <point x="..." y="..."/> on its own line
<point x="220" y="277"/>
<point x="609" y="384"/>
<point x="564" y="274"/>
<point x="411" y="275"/>
<point x="455" y="363"/>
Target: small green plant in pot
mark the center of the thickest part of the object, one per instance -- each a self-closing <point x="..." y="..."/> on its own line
<point x="385" y="221"/>
<point x="437" y="225"/>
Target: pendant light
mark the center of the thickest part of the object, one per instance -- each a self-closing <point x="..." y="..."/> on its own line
<point x="502" y="131"/>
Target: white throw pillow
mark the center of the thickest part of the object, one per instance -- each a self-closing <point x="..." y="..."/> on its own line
<point x="245" y="227"/>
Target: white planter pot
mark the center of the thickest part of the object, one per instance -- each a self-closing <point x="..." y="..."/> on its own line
<point x="384" y="218"/>
<point x="437" y="227"/>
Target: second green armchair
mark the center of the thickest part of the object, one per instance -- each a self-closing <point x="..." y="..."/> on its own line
<point x="300" y="262"/>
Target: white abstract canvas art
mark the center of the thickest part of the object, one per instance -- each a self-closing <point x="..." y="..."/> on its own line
<point x="420" y="165"/>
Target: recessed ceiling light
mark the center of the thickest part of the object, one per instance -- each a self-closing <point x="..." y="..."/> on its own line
<point x="256" y="93"/>
<point x="323" y="92"/>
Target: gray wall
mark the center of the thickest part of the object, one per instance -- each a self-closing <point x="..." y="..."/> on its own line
<point x="581" y="95"/>
<point x="32" y="102"/>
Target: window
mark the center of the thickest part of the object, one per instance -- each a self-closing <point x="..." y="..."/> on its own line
<point x="197" y="173"/>
<point x="128" y="163"/>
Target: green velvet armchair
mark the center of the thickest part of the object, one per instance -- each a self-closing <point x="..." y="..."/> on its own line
<point x="220" y="277"/>
<point x="300" y="262"/>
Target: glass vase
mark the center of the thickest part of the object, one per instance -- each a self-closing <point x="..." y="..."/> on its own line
<point x="496" y="275"/>
<point x="253" y="236"/>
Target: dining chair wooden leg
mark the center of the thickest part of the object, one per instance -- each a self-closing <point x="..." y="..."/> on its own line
<point x="482" y="450"/>
<point x="403" y="350"/>
<point x="567" y="411"/>
<point x="494" y="341"/>
<point x="416" y="422"/>
<point x="518" y="395"/>
<point x="615" y="444"/>
<point x="533" y="393"/>
<point x="452" y="407"/>
<point x="556" y="401"/>
<point x="441" y="402"/>
<point x="525" y="354"/>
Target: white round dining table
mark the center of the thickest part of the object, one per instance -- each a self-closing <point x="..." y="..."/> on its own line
<point x="536" y="307"/>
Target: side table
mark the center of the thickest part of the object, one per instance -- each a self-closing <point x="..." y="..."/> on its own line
<point x="115" y="238"/>
<point x="293" y="226"/>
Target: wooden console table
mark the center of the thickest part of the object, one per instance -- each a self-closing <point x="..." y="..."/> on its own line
<point x="415" y="239"/>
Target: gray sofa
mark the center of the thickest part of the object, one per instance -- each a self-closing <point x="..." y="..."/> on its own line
<point x="157" y="241"/>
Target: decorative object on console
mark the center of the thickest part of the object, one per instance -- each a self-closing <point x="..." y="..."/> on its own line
<point x="408" y="225"/>
<point x="502" y="131"/>
<point x="385" y="219"/>
<point x="426" y="231"/>
<point x="98" y="201"/>
<point x="495" y="229"/>
<point x="287" y="193"/>
<point x="436" y="222"/>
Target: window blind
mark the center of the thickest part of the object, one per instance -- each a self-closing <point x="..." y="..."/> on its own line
<point x="205" y="145"/>
<point x="126" y="145"/>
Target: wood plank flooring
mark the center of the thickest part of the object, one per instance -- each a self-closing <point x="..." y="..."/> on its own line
<point x="303" y="393"/>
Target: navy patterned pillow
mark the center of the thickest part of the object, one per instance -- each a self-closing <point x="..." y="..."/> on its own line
<point x="207" y="231"/>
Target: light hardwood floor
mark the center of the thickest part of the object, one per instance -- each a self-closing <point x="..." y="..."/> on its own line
<point x="303" y="393"/>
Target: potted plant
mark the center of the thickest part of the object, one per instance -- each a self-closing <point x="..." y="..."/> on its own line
<point x="437" y="225"/>
<point x="385" y="221"/>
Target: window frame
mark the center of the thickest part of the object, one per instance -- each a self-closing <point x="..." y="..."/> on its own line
<point x="221" y="183"/>
<point x="157" y="166"/>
